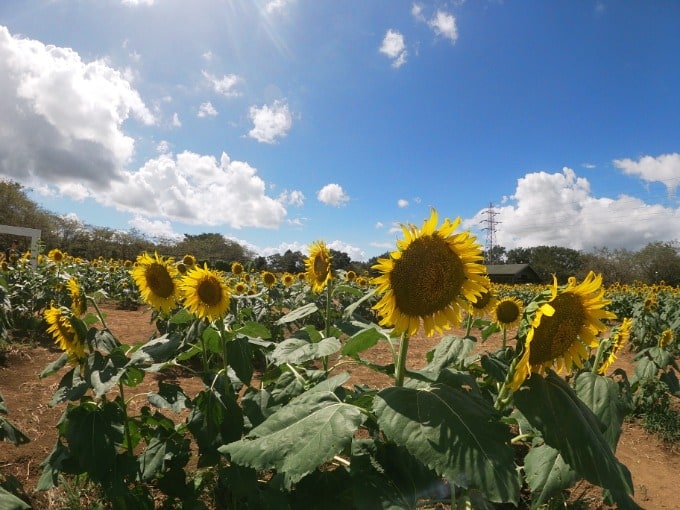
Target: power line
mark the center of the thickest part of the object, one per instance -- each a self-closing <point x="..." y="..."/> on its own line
<point x="490" y="223"/>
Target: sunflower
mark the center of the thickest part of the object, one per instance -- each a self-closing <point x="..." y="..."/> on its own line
<point x="318" y="266"/>
<point x="236" y="268"/>
<point x="64" y="333"/>
<point x="563" y="327"/>
<point x="350" y="276"/>
<point x="666" y="338"/>
<point x="486" y="302"/>
<point x="433" y="275"/>
<point x="508" y="312"/>
<point x="240" y="288"/>
<point x="56" y="255"/>
<point x="78" y="298"/>
<point x="205" y="293"/>
<point x="269" y="279"/>
<point x="4" y="266"/>
<point x="189" y="261"/>
<point x="155" y="278"/>
<point x="288" y="279"/>
<point x="181" y="268"/>
<point x="618" y="340"/>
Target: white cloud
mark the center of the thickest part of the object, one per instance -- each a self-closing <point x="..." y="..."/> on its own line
<point x="197" y="190"/>
<point x="353" y="252"/>
<point x="559" y="210"/>
<point x="282" y="248"/>
<point x="589" y="166"/>
<point x="175" y="120"/>
<point x="270" y="122"/>
<point x="394" y="47"/>
<point x="379" y="224"/>
<point x="277" y="5"/>
<point x="402" y="202"/>
<point x="417" y="12"/>
<point x="332" y="194"/>
<point x="138" y="2"/>
<point x="664" y="169"/>
<point x="225" y="85"/>
<point x="60" y="117"/>
<point x="207" y="110"/>
<point x="444" y="24"/>
<point x="159" y="229"/>
<point x="294" y="197"/>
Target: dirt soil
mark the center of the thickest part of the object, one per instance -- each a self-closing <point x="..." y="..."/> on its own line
<point x="655" y="466"/>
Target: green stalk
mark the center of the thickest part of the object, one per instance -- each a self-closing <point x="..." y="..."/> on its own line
<point x="400" y="369"/>
<point x="327" y="320"/>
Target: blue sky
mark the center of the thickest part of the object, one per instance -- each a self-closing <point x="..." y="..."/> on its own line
<point x="280" y="122"/>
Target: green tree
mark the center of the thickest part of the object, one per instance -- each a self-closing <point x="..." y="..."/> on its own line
<point x="659" y="261"/>
<point x="548" y="260"/>
<point x="340" y="260"/>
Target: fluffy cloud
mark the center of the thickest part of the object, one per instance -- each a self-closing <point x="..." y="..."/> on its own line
<point x="158" y="229"/>
<point x="207" y="110"/>
<point x="294" y="197"/>
<point x="559" y="209"/>
<point x="394" y="47"/>
<point x="664" y="169"/>
<point x="225" y="85"/>
<point x="332" y="194"/>
<point x="60" y="117"/>
<point x="273" y="6"/>
<point x="270" y="122"/>
<point x="197" y="190"/>
<point x="444" y="24"/>
<point x="353" y="252"/>
<point x="402" y="202"/>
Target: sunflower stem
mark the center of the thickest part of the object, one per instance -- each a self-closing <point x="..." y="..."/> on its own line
<point x="468" y="324"/>
<point x="400" y="369"/>
<point x="505" y="336"/>
<point x="327" y="319"/>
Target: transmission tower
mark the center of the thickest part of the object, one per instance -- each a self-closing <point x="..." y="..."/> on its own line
<point x="490" y="223"/>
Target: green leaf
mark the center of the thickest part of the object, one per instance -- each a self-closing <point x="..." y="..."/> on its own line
<point x="451" y="350"/>
<point x="298" y="313"/>
<point x="152" y="459"/>
<point x="3" y="407"/>
<point x="240" y="357"/>
<point x="104" y="341"/>
<point x="254" y="330"/>
<point x="645" y="368"/>
<point x="297" y="350"/>
<point x="157" y="350"/>
<point x="386" y="476"/>
<point x="55" y="366"/>
<point x="182" y="317"/>
<point x="11" y="434"/>
<point x="324" y="489"/>
<point x="363" y="340"/>
<point x="169" y="396"/>
<point x="94" y="434"/>
<point x="546" y="474"/>
<point x="9" y="501"/>
<point x="302" y="435"/>
<point x="71" y="387"/>
<point x="352" y="307"/>
<point x="601" y="395"/>
<point x="570" y="427"/>
<point x="215" y="419"/>
<point x="454" y="432"/>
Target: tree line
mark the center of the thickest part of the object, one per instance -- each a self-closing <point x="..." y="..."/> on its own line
<point x="658" y="261"/>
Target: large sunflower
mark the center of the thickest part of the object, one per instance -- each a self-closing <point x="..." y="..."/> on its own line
<point x="56" y="255"/>
<point x="205" y="293"/>
<point x="156" y="279"/>
<point x="433" y="275"/>
<point x="64" y="333"/>
<point x="563" y="328"/>
<point x="78" y="298"/>
<point x="486" y="301"/>
<point x="318" y="266"/>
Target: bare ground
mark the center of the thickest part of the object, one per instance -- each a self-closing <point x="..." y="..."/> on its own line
<point x="655" y="466"/>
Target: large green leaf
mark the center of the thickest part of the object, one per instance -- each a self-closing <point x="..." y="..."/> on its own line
<point x="297" y="350"/>
<point x="298" y="313"/>
<point x="240" y="356"/>
<point x="9" y="432"/>
<point x="601" y="395"/>
<point x="361" y="341"/>
<point x="9" y="501"/>
<point x="169" y="396"/>
<point x="454" y="432"/>
<point x="570" y="427"/>
<point x="71" y="387"/>
<point x="158" y="350"/>
<point x="306" y="433"/>
<point x="451" y="350"/>
<point x="387" y="477"/>
<point x="546" y="474"/>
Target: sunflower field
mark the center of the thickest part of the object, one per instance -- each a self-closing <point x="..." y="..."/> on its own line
<point x="276" y="424"/>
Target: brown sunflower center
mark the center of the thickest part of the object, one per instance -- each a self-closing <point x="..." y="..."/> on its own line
<point x="209" y="291"/>
<point x="427" y="278"/>
<point x="507" y="312"/>
<point x="321" y="268"/>
<point x="159" y="280"/>
<point x="556" y="334"/>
